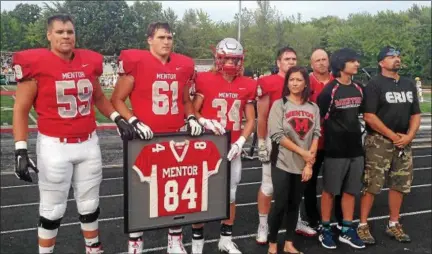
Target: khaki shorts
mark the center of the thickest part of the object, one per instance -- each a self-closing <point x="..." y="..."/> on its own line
<point x="382" y="156"/>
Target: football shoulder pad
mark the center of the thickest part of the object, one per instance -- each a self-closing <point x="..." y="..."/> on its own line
<point x="25" y="63"/>
<point x="129" y="59"/>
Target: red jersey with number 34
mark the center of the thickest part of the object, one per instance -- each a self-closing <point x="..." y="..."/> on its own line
<point x="178" y="175"/>
<point x="224" y="101"/>
<point x="157" y="95"/>
<point x="64" y="101"/>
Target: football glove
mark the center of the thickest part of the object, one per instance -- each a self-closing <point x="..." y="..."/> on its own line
<point x="124" y="129"/>
<point x="236" y="148"/>
<point x="142" y="130"/>
<point x="23" y="162"/>
<point x="193" y="127"/>
<point x="263" y="153"/>
<point x="212" y="125"/>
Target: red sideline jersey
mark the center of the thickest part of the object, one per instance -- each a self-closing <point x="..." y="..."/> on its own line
<point x="272" y="86"/>
<point x="157" y="96"/>
<point x="64" y="101"/>
<point x="224" y="101"/>
<point x="316" y="87"/>
<point x="178" y="175"/>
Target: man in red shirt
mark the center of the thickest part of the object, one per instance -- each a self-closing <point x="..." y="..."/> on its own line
<point x="319" y="77"/>
<point x="157" y="83"/>
<point x="62" y="85"/>
<point x="222" y="97"/>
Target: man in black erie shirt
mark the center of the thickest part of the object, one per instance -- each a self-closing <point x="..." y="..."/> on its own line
<point x="392" y="116"/>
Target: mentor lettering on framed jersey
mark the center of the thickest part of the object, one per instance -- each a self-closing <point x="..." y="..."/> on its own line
<point x="175" y="179"/>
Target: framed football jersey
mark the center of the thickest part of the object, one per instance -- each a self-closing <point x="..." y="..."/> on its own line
<point x="175" y="180"/>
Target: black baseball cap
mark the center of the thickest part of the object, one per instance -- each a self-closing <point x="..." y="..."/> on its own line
<point x="387" y="51"/>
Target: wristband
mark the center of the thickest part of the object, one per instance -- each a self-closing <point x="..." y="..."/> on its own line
<point x="132" y="119"/>
<point x="114" y="115"/>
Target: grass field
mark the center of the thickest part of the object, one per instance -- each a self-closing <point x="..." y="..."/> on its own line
<point x="426" y="105"/>
<point x="6" y="108"/>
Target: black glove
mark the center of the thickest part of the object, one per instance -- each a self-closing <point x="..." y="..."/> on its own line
<point x="125" y="130"/>
<point x="22" y="165"/>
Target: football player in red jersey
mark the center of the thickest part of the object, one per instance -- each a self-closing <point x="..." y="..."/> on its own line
<point x="157" y="82"/>
<point x="221" y="98"/>
<point x="62" y="85"/>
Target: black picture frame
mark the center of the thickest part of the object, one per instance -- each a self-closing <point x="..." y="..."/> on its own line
<point x="223" y="151"/>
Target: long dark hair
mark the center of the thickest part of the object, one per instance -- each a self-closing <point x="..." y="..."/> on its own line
<point x="306" y="92"/>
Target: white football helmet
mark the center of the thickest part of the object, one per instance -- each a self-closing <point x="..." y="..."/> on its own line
<point x="229" y="48"/>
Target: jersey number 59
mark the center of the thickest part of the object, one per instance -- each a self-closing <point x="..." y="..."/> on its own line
<point x="84" y="94"/>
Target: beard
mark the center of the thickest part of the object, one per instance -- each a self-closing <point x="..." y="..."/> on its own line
<point x="396" y="67"/>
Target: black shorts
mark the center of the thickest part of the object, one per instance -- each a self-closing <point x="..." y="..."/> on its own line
<point x="343" y="175"/>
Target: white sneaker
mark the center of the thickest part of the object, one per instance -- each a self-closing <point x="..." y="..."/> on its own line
<point x="197" y="246"/>
<point x="135" y="247"/>
<point x="94" y="249"/>
<point x="226" y="244"/>
<point x="304" y="229"/>
<point x="262" y="234"/>
<point x="175" y="245"/>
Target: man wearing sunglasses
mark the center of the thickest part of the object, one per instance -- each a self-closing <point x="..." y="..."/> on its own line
<point x="392" y="116"/>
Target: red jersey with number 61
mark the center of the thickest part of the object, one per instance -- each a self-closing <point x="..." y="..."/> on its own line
<point x="178" y="175"/>
<point x="64" y="101"/>
<point x="157" y="96"/>
<point x="224" y="101"/>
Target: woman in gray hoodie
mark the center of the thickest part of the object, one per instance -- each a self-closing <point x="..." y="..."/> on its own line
<point x="294" y="128"/>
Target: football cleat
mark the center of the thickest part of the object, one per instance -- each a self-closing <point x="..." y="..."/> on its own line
<point x="262" y="234"/>
<point x="197" y="246"/>
<point x="226" y="245"/>
<point x="135" y="246"/>
<point x="175" y="245"/>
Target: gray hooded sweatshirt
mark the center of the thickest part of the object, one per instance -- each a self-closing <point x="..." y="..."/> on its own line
<point x="299" y="123"/>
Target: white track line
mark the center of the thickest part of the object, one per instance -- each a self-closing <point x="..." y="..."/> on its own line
<point x="283" y="230"/>
<point x="120" y="218"/>
<point x="121" y="195"/>
<point x="121" y="177"/>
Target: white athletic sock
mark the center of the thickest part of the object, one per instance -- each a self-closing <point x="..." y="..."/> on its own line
<point x="90" y="242"/>
<point x="263" y="219"/>
<point x="46" y="249"/>
<point x="362" y="224"/>
<point x="392" y="223"/>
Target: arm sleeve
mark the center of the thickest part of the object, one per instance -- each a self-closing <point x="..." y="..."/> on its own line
<point x="199" y="85"/>
<point x="317" y="129"/>
<point x="260" y="88"/>
<point x="275" y="127"/>
<point x="324" y="100"/>
<point x="213" y="158"/>
<point x="371" y="98"/>
<point x="22" y="65"/>
<point x="127" y="62"/>
<point x="98" y="61"/>
<point x="253" y="92"/>
<point x="415" y="106"/>
<point x="142" y="163"/>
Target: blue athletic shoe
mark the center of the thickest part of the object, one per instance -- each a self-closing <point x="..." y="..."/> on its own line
<point x="351" y="237"/>
<point x="326" y="239"/>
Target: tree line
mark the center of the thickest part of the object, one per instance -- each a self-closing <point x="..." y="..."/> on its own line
<point x="110" y="26"/>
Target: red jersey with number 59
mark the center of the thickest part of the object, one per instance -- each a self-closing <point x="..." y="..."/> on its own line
<point x="157" y="95"/>
<point x="64" y="101"/>
<point x="224" y="101"/>
<point x="178" y="175"/>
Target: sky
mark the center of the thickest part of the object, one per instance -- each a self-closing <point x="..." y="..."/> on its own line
<point x="225" y="10"/>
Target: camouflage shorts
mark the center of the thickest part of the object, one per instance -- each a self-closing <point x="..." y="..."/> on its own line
<point x="382" y="156"/>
